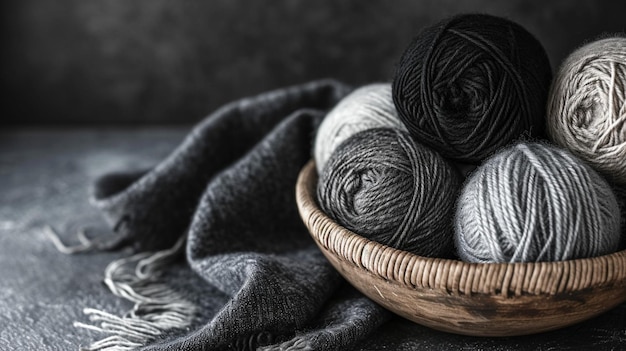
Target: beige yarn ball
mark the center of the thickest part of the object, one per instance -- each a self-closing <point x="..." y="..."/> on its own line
<point x="586" y="110"/>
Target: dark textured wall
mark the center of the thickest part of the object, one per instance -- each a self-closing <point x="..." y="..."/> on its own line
<point x="160" y="61"/>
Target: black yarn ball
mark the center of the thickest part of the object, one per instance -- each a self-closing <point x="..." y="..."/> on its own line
<point x="471" y="84"/>
<point x="384" y="186"/>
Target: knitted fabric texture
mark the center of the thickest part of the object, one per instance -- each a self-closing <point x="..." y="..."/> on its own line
<point x="230" y="187"/>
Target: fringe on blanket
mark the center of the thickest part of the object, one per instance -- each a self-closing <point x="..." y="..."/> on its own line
<point x="158" y="308"/>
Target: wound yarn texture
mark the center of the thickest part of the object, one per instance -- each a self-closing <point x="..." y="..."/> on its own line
<point x="471" y="84"/>
<point x="534" y="202"/>
<point x="382" y="185"/>
<point x="587" y="106"/>
<point x="370" y="106"/>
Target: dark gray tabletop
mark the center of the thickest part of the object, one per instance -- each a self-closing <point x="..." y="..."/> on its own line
<point x="44" y="180"/>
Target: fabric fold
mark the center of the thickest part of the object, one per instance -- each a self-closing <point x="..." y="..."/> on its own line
<point x="153" y="208"/>
<point x="230" y="189"/>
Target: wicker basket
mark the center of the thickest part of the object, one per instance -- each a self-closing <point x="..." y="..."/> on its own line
<point x="466" y="298"/>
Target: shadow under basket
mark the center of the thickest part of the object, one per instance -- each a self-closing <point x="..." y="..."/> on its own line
<point x="481" y="299"/>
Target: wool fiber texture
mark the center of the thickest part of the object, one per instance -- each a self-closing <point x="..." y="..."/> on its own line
<point x="382" y="185"/>
<point x="535" y="202"/>
<point x="230" y="187"/>
<point x="471" y="84"/>
<point x="587" y="106"/>
<point x="370" y="106"/>
<point x="620" y="193"/>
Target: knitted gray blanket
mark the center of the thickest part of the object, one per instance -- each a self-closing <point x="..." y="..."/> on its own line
<point x="224" y="261"/>
<point x="229" y="189"/>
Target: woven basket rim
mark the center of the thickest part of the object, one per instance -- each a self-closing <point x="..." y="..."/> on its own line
<point x="450" y="275"/>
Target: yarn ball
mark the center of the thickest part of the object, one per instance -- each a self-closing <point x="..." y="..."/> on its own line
<point x="471" y="84"/>
<point x="381" y="184"/>
<point x="620" y="193"/>
<point x="587" y="106"/>
<point x="370" y="106"/>
<point x="533" y="202"/>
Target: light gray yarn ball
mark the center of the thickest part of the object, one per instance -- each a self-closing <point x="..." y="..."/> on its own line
<point x="587" y="106"/>
<point x="370" y="106"/>
<point x="534" y="202"/>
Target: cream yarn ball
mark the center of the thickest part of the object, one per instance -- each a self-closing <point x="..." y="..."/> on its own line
<point x="586" y="111"/>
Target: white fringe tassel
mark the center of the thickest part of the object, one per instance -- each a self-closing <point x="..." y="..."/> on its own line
<point x="157" y="309"/>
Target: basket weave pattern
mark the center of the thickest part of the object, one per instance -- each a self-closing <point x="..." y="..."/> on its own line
<point x="410" y="285"/>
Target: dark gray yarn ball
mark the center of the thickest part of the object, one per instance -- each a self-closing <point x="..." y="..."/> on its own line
<point x="381" y="184"/>
<point x="620" y="194"/>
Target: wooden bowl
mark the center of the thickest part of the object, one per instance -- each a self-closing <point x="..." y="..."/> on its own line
<point x="489" y="299"/>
